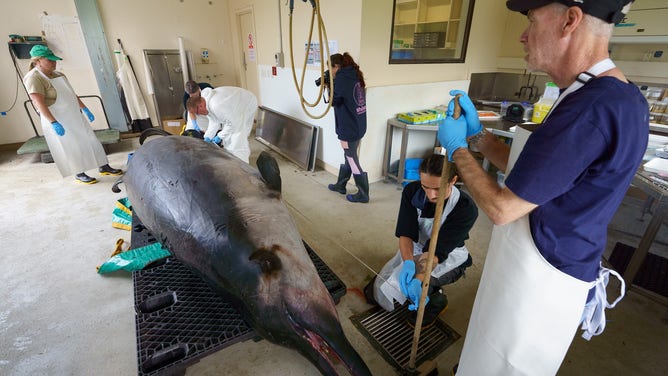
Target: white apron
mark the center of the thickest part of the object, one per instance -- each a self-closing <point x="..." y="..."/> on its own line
<point x="386" y="286"/>
<point x="526" y="311"/>
<point x="78" y="150"/>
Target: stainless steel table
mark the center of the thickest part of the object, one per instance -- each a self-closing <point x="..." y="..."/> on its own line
<point x="396" y="125"/>
<point x="496" y="127"/>
<point x="659" y="194"/>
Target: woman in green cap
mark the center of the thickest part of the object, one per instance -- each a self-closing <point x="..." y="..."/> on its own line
<point x="71" y="140"/>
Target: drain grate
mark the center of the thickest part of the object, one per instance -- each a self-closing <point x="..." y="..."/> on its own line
<point x="389" y="334"/>
<point x="179" y="319"/>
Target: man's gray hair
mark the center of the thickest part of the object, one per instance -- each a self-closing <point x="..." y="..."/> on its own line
<point x="595" y="25"/>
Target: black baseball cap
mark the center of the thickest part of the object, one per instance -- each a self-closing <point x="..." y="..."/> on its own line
<point x="610" y="11"/>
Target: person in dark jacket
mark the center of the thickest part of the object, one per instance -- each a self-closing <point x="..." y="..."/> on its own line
<point x="349" y="102"/>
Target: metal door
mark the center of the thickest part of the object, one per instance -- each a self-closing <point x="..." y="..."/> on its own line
<point x="167" y="78"/>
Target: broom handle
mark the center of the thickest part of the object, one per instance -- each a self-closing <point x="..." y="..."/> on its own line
<point x="440" y="202"/>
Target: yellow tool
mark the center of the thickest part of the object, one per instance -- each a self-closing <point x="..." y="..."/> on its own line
<point x="119" y="247"/>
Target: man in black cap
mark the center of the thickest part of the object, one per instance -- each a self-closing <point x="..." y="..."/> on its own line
<point x="543" y="275"/>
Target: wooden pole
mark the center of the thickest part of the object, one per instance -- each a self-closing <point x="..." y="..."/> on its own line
<point x="440" y="203"/>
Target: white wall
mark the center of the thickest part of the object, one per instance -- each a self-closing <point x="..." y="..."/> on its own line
<point x="145" y="24"/>
<point x="362" y="28"/>
<point x="23" y="18"/>
<point x="157" y="24"/>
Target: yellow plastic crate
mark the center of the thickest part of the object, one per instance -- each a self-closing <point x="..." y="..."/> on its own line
<point x="420" y="117"/>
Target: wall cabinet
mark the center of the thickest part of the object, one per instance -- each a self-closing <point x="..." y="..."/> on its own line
<point x="645" y="23"/>
<point x="426" y="31"/>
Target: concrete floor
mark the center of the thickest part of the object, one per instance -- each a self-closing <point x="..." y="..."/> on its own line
<point x="59" y="317"/>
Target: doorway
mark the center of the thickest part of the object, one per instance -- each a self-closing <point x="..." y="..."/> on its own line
<point x="248" y="45"/>
<point x="167" y="78"/>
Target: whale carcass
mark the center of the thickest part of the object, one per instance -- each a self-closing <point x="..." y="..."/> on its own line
<point x="227" y="222"/>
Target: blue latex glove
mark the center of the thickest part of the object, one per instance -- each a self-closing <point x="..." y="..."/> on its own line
<point x="58" y="128"/>
<point x="452" y="133"/>
<point x="414" y="292"/>
<point x="406" y="275"/>
<point x="207" y="139"/>
<point x="216" y="140"/>
<point x="89" y="114"/>
<point x="473" y="126"/>
<point x="194" y="124"/>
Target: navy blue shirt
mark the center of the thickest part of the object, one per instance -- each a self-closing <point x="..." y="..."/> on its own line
<point x="577" y="167"/>
<point x="349" y="102"/>
<point x="453" y="232"/>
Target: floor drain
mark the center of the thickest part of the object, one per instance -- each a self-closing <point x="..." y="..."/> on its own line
<point x="389" y="334"/>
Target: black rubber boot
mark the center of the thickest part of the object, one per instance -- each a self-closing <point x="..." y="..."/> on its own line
<point x="108" y="170"/>
<point x="344" y="176"/>
<point x="438" y="303"/>
<point x="85" y="179"/>
<point x="362" y="195"/>
<point x="368" y="292"/>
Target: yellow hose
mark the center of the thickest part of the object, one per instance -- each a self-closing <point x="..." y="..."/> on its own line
<point x="324" y="45"/>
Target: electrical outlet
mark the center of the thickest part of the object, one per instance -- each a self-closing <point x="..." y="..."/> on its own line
<point x="278" y="57"/>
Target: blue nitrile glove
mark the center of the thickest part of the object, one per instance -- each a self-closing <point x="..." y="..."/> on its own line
<point x="58" y="128"/>
<point x="86" y="111"/>
<point x="414" y="292"/>
<point x="473" y="126"/>
<point x="216" y="140"/>
<point x="207" y="139"/>
<point x="406" y="275"/>
<point x="452" y="133"/>
<point x="194" y="124"/>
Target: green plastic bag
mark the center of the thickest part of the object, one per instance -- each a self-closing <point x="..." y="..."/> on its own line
<point x="122" y="215"/>
<point x="134" y="259"/>
<point x="121" y="219"/>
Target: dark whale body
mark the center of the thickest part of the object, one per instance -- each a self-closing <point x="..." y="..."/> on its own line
<point x="227" y="222"/>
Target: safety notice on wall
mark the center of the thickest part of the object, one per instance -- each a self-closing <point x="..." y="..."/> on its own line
<point x="313" y="51"/>
<point x="251" y="47"/>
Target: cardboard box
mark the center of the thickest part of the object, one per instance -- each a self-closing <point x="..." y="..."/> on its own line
<point x="173" y="126"/>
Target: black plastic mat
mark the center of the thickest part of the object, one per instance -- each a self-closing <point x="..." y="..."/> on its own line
<point x="653" y="273"/>
<point x="392" y="337"/>
<point x="179" y="319"/>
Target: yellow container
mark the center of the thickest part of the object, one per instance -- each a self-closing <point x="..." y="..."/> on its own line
<point x="540" y="110"/>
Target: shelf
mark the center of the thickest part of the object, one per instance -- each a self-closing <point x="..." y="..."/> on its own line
<point x="442" y="17"/>
<point x="22" y="49"/>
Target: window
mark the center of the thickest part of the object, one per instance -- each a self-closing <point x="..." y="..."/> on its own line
<point x="430" y="31"/>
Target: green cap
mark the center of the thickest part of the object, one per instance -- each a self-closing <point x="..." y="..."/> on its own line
<point x="40" y="50"/>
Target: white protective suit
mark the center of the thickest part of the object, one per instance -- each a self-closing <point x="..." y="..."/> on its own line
<point x="231" y="115"/>
<point x="78" y="150"/>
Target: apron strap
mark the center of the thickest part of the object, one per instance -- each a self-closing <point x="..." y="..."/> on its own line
<point x="582" y="78"/>
<point x="593" y="317"/>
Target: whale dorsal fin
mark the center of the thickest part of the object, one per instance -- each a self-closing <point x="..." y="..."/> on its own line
<point x="269" y="170"/>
